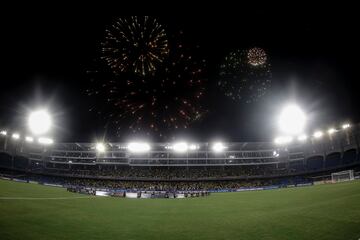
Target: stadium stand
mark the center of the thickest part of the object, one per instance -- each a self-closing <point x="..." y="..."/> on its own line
<point x="239" y="165"/>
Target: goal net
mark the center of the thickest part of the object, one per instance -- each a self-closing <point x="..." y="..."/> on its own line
<point x="342" y="176"/>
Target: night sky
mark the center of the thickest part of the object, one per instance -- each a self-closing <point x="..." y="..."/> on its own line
<point x="315" y="62"/>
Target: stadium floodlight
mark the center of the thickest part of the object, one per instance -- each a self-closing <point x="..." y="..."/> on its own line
<point x="45" y="141"/>
<point x="138" y="147"/>
<point x="276" y="154"/>
<point x="346" y="125"/>
<point x="3" y="132"/>
<point x="292" y="120"/>
<point x="218" y="147"/>
<point x="16" y="136"/>
<point x="100" y="147"/>
<point x="278" y="140"/>
<point x="318" y="134"/>
<point x="302" y="137"/>
<point x="39" y="122"/>
<point x="29" y="139"/>
<point x="193" y="147"/>
<point x="331" y="131"/>
<point x="180" y="147"/>
<point x="283" y="140"/>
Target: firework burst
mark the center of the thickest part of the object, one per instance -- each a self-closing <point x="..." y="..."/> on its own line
<point x="169" y="98"/>
<point x="135" y="44"/>
<point x="245" y="75"/>
<point x="256" y="56"/>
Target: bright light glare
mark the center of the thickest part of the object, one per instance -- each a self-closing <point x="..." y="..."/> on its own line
<point x="138" y="147"/>
<point x="45" y="141"/>
<point x="302" y="137"/>
<point x="292" y="120"/>
<point x="346" y="125"/>
<point x="331" y="131"/>
<point x="218" y="147"/>
<point x="15" y="136"/>
<point x="29" y="139"/>
<point x="283" y="140"/>
<point x="193" y="147"/>
<point x="276" y="154"/>
<point x="318" y="134"/>
<point x="39" y="122"/>
<point x="100" y="147"/>
<point x="180" y="147"/>
<point x="3" y="133"/>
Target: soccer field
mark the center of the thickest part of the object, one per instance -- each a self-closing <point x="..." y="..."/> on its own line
<point x="30" y="211"/>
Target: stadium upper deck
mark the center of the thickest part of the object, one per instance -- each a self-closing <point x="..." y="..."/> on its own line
<point x="339" y="144"/>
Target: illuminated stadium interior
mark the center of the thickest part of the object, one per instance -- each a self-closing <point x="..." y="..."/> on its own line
<point x="210" y="125"/>
<point x="177" y="161"/>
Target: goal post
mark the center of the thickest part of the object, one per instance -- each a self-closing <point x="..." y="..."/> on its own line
<point x="342" y="176"/>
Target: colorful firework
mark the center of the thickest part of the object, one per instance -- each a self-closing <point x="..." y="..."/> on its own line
<point x="169" y="98"/>
<point x="135" y="44"/>
<point x="256" y="56"/>
<point x="245" y="75"/>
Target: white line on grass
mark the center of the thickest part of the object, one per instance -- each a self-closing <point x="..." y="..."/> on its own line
<point x="39" y="198"/>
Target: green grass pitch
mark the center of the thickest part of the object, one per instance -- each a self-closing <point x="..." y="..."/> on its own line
<point x="317" y="212"/>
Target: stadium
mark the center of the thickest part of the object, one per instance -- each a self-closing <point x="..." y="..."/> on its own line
<point x="186" y="166"/>
<point x="303" y="172"/>
<point x="108" y="150"/>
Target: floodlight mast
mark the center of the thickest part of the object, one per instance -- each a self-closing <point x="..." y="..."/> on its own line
<point x="15" y="136"/>
<point x="100" y="147"/>
<point x="302" y="138"/>
<point x="218" y="147"/>
<point x="138" y="147"/>
<point x="45" y="141"/>
<point x="180" y="147"/>
<point x="292" y="120"/>
<point x="39" y="122"/>
<point x="331" y="131"/>
<point x="29" y="139"/>
<point x="318" y="134"/>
